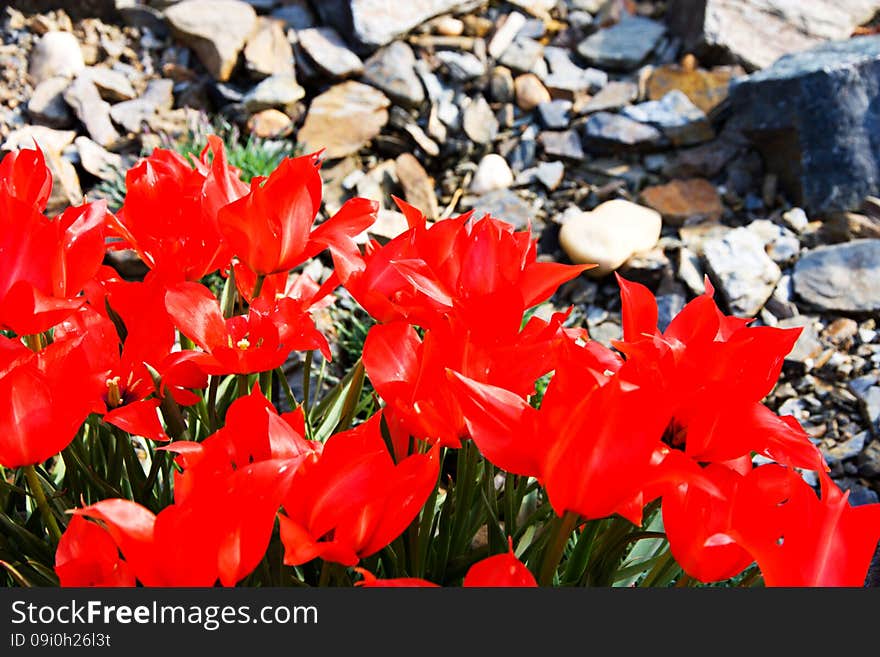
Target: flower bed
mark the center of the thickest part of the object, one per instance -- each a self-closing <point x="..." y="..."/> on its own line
<point x="473" y="443"/>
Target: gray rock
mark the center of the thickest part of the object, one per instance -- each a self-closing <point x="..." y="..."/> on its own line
<point x="113" y="86"/>
<point x="462" y="66"/>
<point x="859" y="495"/>
<point x="296" y="14"/>
<point x="47" y="138"/>
<point x="267" y="51"/>
<point x="492" y="173"/>
<point x="106" y="10"/>
<point x="504" y="35"/>
<point x="327" y="49"/>
<point x="867" y="391"/>
<point x="566" y="76"/>
<point x="623" y="46"/>
<point x="807" y="349"/>
<point x="813" y="116"/>
<point x="604" y="131"/>
<point x="215" y="29"/>
<point x="756" y="33"/>
<point x="522" y="55"/>
<point x="550" y="174"/>
<point x="132" y="114"/>
<point x="82" y="95"/>
<point x="505" y="205"/>
<point x="869" y="460"/>
<point x="373" y="23"/>
<point x="562" y="143"/>
<point x="523" y="154"/>
<point x="97" y="160"/>
<point x="848" y="449"/>
<point x="744" y="272"/>
<point x="612" y="96"/>
<point x="780" y="243"/>
<point x="556" y="114"/>
<point x="680" y="120"/>
<point x="668" y="306"/>
<point x="501" y="88"/>
<point x="479" y="122"/>
<point x="275" y="91"/>
<point x="56" y="54"/>
<point x="47" y="105"/>
<point x="392" y="69"/>
<point x="842" y="277"/>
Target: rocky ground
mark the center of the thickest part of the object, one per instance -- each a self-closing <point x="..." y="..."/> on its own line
<point x="665" y="140"/>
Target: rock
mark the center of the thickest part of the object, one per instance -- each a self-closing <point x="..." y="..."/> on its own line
<point x="132" y="114"/>
<point x="812" y="116"/>
<point x="796" y="219"/>
<point x="848" y="449"/>
<point x="504" y="35"/>
<point x="388" y="225"/>
<point x="276" y="91"/>
<point x="742" y="270"/>
<point x="47" y="138"/>
<point x="802" y="358"/>
<point x="841" y="277"/>
<point x="112" y="85"/>
<point x="463" y="66"/>
<point x="418" y="186"/>
<point x="327" y="49"/>
<point x="756" y="33"/>
<point x="676" y="116"/>
<point x="374" y="23"/>
<point x="613" y="96"/>
<point x="846" y="226"/>
<point x="106" y="10"/>
<point x="530" y="92"/>
<point x="780" y="243"/>
<point x="690" y="271"/>
<point x="492" y="173"/>
<point x="82" y="95"/>
<point x="479" y="122"/>
<point x="66" y="189"/>
<point x="295" y="14"/>
<point x="680" y="201"/>
<point x="555" y="114"/>
<point x="501" y="88"/>
<point x="97" y="160"/>
<point x="267" y="51"/>
<point x="609" y="235"/>
<point x="270" y="124"/>
<point x="604" y="131"/>
<point x="550" y="174"/>
<point x="705" y="89"/>
<point x="448" y="26"/>
<point x="56" y="54"/>
<point x="505" y="205"/>
<point x="344" y="118"/>
<point x="562" y="143"/>
<point x="567" y="77"/>
<point x="392" y="69"/>
<point x="522" y="55"/>
<point x="215" y="29"/>
<point x="47" y="105"/>
<point x="869" y="460"/>
<point x="623" y="46"/>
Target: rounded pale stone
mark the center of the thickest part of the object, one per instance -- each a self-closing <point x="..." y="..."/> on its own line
<point x="492" y="173"/>
<point x="610" y="234"/>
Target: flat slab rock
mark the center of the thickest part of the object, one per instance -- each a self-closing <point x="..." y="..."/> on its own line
<point x="373" y="23"/>
<point x="757" y="32"/>
<point x="841" y="277"/>
<point x="814" y="117"/>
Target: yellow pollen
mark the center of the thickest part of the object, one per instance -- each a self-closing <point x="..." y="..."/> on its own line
<point x="114" y="399"/>
<point x="243" y="344"/>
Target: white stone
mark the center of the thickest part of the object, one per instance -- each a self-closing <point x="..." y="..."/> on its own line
<point x="492" y="173"/>
<point x="610" y="234"/>
<point x="56" y="54"/>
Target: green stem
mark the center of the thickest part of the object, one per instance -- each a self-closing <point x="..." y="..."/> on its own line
<point x="561" y="532"/>
<point x="258" y="286"/>
<point x="212" y="402"/>
<point x="39" y="494"/>
<point x="307" y="380"/>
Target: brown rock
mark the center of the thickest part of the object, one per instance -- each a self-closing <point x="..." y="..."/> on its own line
<point x="66" y="189"/>
<point x="344" y="118"/>
<point x="680" y="201"/>
<point x="270" y="124"/>
<point x="94" y="112"/>
<point x="706" y="89"/>
<point x="215" y="29"/>
<point x="268" y="52"/>
<point x="530" y="92"/>
<point x="418" y="186"/>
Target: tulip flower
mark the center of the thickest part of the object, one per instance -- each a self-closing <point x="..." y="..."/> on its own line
<point x="353" y="500"/>
<point x="87" y="556"/>
<point x="169" y="216"/>
<point x="370" y="581"/>
<point x="501" y="570"/>
<point x="25" y="176"/>
<point x="271" y="228"/>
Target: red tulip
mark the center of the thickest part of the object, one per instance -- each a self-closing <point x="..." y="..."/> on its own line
<point x="88" y="556"/>
<point x="270" y="228"/>
<point x="170" y="212"/>
<point x="354" y="500"/>
<point x="799" y="539"/>
<point x="370" y="581"/>
<point x="501" y="570"/>
<point x="25" y="176"/>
